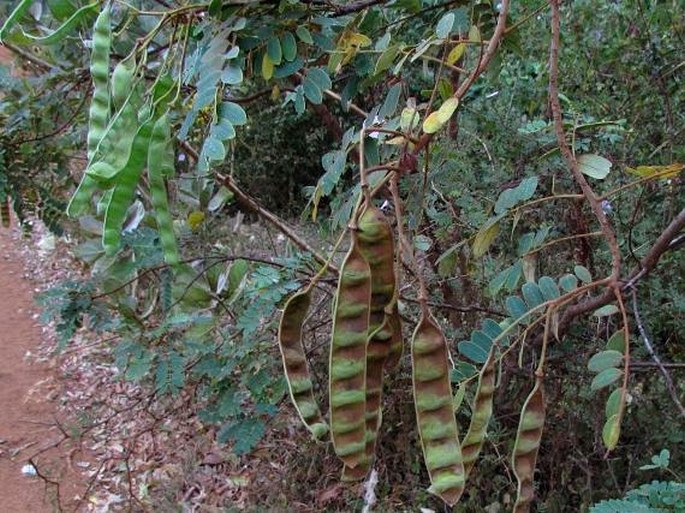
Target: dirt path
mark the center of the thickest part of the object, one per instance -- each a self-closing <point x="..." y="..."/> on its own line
<point x="27" y="422"/>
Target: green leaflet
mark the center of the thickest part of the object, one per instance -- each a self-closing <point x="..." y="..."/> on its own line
<point x="125" y="188"/>
<point x="160" y="163"/>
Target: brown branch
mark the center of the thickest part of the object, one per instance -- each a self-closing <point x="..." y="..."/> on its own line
<point x="250" y="203"/>
<point x="483" y="63"/>
<point x="568" y="154"/>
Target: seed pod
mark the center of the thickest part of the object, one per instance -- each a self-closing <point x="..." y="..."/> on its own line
<point x="527" y="444"/>
<point x="295" y="363"/>
<point x="99" y="107"/>
<point x="125" y="189"/>
<point x="377" y="246"/>
<point x="434" y="414"/>
<point x="481" y="413"/>
<point x="160" y="163"/>
<point x="348" y="357"/>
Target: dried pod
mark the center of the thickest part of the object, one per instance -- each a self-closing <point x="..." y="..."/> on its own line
<point x="295" y="363"/>
<point x="434" y="414"/>
<point x="347" y="372"/>
<point x="396" y="342"/>
<point x="481" y="413"/>
<point x="527" y="444"/>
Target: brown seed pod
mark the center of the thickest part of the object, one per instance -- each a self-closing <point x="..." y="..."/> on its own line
<point x="481" y="413"/>
<point x="347" y="369"/>
<point x="527" y="444"/>
<point x="295" y="363"/>
<point x="396" y="342"/>
<point x="434" y="414"/>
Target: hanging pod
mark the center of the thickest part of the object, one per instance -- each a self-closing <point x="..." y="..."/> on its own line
<point x="480" y="414"/>
<point x="295" y="363"/>
<point x="434" y="414"/>
<point x="396" y="340"/>
<point x="527" y="444"/>
<point x="377" y="246"/>
<point x="347" y="366"/>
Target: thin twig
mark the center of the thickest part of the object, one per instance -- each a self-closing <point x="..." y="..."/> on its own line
<point x="650" y="349"/>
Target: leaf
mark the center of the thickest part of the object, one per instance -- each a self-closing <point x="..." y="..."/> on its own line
<point x="320" y="78"/>
<point x="613" y="404"/>
<point x="432" y="123"/>
<point x="386" y="59"/>
<point x="606" y="311"/>
<point x="472" y="351"/>
<point x="267" y="67"/>
<point x="485" y="236"/>
<point x="304" y="35"/>
<point x="219" y="199"/>
<point x="232" y="75"/>
<point x="474" y="34"/>
<point x="459" y="397"/>
<point x="244" y="433"/>
<point x="490" y="328"/>
<point x="605" y="378"/>
<point x="532" y="295"/>
<point x="273" y="50"/>
<point x="617" y="342"/>
<point x="568" y="282"/>
<point x="604" y="360"/>
<point x="548" y="287"/>
<point x="516" y="308"/>
<point x="511" y="197"/>
<point x="594" y="166"/>
<point x="312" y="91"/>
<point x="289" y="46"/>
<point x="582" y="273"/>
<point x="611" y="432"/>
<point x="409" y="119"/>
<point x="233" y="113"/>
<point x="668" y="171"/>
<point x="391" y="100"/>
<point x="444" y="26"/>
<point x="456" y="53"/>
<point x="447" y="109"/>
<point x="214" y="149"/>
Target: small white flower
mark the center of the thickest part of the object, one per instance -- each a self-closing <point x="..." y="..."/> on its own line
<point x="607" y="207"/>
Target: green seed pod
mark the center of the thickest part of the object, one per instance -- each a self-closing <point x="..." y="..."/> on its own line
<point x="125" y="189"/>
<point x="434" y="414"/>
<point x="99" y="107"/>
<point x="347" y="368"/>
<point x="160" y="163"/>
<point x="527" y="444"/>
<point x="481" y="413"/>
<point x="295" y="363"/>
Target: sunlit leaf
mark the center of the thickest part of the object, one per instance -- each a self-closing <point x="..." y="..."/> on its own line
<point x="444" y="26"/>
<point x="456" y="53"/>
<point x="668" y="171"/>
<point x="611" y="432"/>
<point x="594" y="166"/>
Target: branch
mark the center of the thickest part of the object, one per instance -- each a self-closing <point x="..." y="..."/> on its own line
<point x="650" y="349"/>
<point x="568" y="154"/>
<point x="252" y="204"/>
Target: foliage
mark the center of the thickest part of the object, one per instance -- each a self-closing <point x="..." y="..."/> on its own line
<point x="286" y="101"/>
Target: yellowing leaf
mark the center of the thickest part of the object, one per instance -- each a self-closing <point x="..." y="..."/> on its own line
<point x="646" y="171"/>
<point x="456" y="53"/>
<point x="267" y="67"/>
<point x="358" y="40"/>
<point x="447" y="109"/>
<point x="275" y="93"/>
<point x="432" y="123"/>
<point x="485" y="237"/>
<point x="195" y="219"/>
<point x="409" y="119"/>
<point x="611" y="432"/>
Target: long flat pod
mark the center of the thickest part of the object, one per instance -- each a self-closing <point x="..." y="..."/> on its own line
<point x="377" y="247"/>
<point x="160" y="163"/>
<point x="125" y="189"/>
<point x="347" y="366"/>
<point x="480" y="415"/>
<point x="396" y="340"/>
<point x="527" y="444"/>
<point x="295" y="363"/>
<point x="98" y="114"/>
<point x="434" y="414"/>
